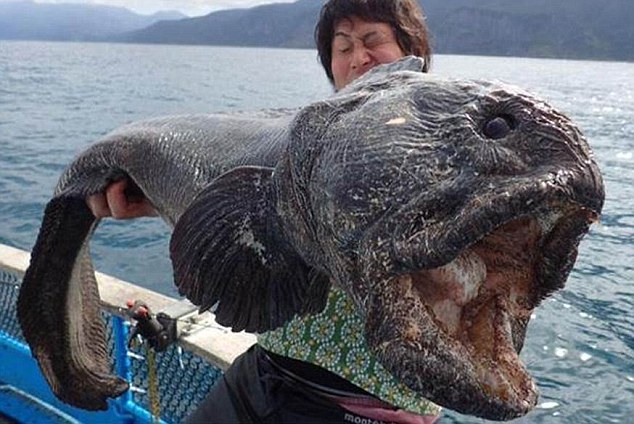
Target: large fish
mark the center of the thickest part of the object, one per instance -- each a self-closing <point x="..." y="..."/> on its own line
<point x="446" y="209"/>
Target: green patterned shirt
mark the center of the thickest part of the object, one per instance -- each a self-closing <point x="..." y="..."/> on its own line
<point x="333" y="339"/>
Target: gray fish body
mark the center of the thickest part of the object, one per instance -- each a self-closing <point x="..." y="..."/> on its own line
<point x="446" y="209"/>
<point x="170" y="160"/>
<point x="173" y="158"/>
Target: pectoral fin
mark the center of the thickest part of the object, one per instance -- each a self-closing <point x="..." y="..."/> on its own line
<point x="229" y="252"/>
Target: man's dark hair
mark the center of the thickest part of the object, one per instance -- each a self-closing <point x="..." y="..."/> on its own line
<point x="404" y="16"/>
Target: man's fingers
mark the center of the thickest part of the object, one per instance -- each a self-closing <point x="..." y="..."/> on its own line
<point x="117" y="201"/>
<point x="98" y="205"/>
<point x="120" y="202"/>
<point x="125" y="202"/>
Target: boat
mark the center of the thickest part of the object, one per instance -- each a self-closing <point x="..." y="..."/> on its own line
<point x="165" y="386"/>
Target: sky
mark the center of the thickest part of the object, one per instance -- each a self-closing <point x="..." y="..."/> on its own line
<point x="188" y="7"/>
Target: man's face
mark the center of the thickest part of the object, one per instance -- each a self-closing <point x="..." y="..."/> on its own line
<point x="358" y="46"/>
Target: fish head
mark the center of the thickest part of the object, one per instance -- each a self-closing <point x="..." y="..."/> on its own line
<point x="447" y="210"/>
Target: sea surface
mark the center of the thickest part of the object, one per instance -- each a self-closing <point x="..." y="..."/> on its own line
<point x="58" y="98"/>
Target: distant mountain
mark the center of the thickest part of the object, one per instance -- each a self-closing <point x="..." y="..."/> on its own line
<point x="27" y="20"/>
<point x="580" y="29"/>
<point x="575" y="29"/>
<point x="273" y="25"/>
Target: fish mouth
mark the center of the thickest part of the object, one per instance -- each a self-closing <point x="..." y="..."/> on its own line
<point x="454" y="332"/>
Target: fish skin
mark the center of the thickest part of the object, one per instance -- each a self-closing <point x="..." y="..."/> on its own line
<point x="187" y="153"/>
<point x="445" y="187"/>
<point x="373" y="189"/>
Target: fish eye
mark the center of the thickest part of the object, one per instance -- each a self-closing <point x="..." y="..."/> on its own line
<point x="499" y="126"/>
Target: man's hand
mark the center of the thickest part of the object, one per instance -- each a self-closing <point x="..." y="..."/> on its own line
<point x="122" y="200"/>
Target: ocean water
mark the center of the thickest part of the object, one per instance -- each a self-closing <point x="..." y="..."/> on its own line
<point x="57" y="98"/>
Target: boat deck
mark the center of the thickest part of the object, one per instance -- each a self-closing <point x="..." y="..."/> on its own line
<point x="185" y="372"/>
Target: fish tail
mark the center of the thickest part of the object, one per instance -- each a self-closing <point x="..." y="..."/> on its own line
<point x="68" y="339"/>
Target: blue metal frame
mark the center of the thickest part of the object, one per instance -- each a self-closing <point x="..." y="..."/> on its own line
<point x="26" y="397"/>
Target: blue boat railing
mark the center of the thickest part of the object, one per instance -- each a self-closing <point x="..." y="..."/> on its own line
<point x="185" y="372"/>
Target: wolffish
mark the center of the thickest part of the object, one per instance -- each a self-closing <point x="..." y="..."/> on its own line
<point x="446" y="210"/>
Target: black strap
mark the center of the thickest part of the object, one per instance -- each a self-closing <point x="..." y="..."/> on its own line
<point x="256" y="389"/>
<point x="315" y="378"/>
